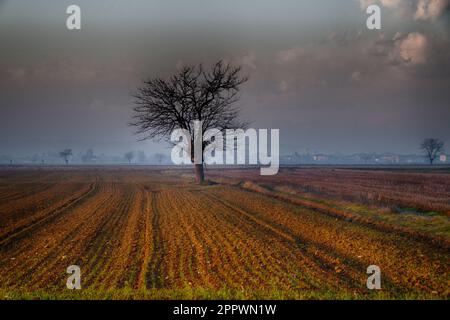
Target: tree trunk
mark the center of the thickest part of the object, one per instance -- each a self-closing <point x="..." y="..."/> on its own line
<point x="199" y="174"/>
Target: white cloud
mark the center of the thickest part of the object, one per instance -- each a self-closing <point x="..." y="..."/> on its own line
<point x="430" y="9"/>
<point x="417" y="9"/>
<point x="290" y="55"/>
<point x="247" y="60"/>
<point x="356" y="77"/>
<point x="385" y="3"/>
<point x="413" y="49"/>
<point x="69" y="71"/>
<point x="391" y="3"/>
<point x="284" y="86"/>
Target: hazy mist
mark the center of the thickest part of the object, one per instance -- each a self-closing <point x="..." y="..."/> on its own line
<point x="316" y="72"/>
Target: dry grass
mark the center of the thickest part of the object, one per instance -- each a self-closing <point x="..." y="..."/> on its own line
<point x="427" y="192"/>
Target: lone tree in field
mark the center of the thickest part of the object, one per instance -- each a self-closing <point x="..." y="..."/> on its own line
<point x="129" y="156"/>
<point x="432" y="148"/>
<point x="193" y="93"/>
<point x="65" y="154"/>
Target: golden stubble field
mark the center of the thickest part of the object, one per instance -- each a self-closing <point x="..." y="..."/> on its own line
<point x="142" y="233"/>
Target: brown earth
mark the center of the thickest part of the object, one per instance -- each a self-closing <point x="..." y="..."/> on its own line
<point x="144" y="230"/>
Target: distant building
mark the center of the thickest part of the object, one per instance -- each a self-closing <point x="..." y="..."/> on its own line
<point x="321" y="158"/>
<point x="411" y="159"/>
<point x="356" y="159"/>
<point x="390" y="158"/>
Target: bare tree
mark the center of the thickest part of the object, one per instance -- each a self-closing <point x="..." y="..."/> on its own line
<point x="35" y="158"/>
<point x="193" y="93"/>
<point x="65" y="154"/>
<point x="366" y="157"/>
<point x="129" y="156"/>
<point x="432" y="148"/>
<point x="89" y="156"/>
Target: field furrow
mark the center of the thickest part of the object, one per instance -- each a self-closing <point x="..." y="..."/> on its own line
<point x="150" y="233"/>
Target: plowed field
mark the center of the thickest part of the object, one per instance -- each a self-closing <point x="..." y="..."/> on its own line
<point x="147" y="233"/>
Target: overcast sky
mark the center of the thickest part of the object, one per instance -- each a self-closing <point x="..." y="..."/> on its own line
<point x="316" y="72"/>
